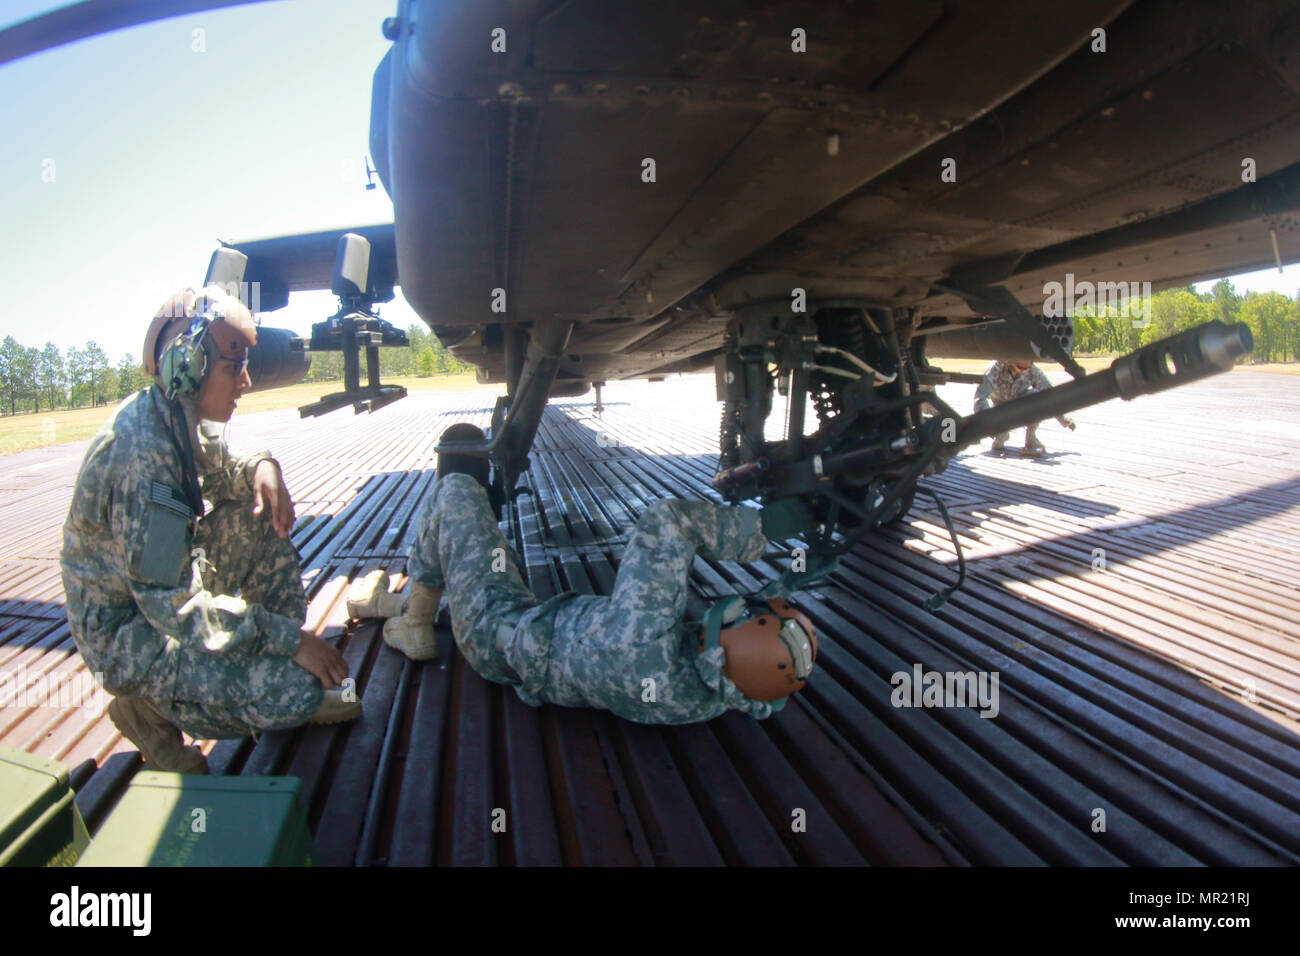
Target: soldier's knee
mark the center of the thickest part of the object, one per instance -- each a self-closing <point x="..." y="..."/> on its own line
<point x="231" y="535"/>
<point x="273" y="549"/>
<point x="661" y="511"/>
<point x="481" y="643"/>
<point x="662" y="506"/>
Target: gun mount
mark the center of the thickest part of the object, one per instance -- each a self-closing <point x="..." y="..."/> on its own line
<point x="879" y="430"/>
<point x="355" y="327"/>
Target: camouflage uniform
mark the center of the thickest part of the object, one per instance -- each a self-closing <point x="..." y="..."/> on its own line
<point x="1002" y="383"/>
<point x="628" y="653"/>
<point x="160" y="626"/>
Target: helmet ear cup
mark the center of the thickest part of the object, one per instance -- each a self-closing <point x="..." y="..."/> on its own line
<point x="181" y="368"/>
<point x="185" y="363"/>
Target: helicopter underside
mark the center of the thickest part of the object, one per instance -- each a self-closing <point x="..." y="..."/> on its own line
<point x="603" y="191"/>
<point x="520" y="177"/>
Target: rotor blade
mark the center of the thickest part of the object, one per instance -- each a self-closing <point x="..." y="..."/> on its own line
<point x="92" y="17"/>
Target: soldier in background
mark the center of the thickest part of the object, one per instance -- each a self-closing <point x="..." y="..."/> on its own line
<point x="629" y="653"/>
<point x="1004" y="381"/>
<point x="151" y="575"/>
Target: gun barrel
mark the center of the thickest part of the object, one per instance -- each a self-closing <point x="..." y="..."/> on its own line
<point x="1195" y="354"/>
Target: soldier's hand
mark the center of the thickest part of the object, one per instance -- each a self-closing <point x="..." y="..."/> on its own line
<point x="322" y="660"/>
<point x="1067" y="422"/>
<point x="269" y="488"/>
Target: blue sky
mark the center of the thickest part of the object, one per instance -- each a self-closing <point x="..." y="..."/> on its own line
<point x="158" y="150"/>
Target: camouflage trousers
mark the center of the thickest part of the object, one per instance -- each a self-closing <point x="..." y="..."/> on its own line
<point x="628" y="653"/>
<point x="1031" y="431"/>
<point x="224" y="695"/>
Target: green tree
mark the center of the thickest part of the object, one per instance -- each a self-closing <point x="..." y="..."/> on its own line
<point x="32" y="384"/>
<point x="50" y="373"/>
<point x="395" y="363"/>
<point x="1176" y="310"/>
<point x="1269" y="316"/>
<point x="1291" y="329"/>
<point x="427" y="363"/>
<point x="130" y="377"/>
<point x="99" y="375"/>
<point x="1226" y="301"/>
<point x="445" y="362"/>
<point x="76" y="366"/>
<point x="325" y="367"/>
<point x="13" y="371"/>
<point x="419" y="336"/>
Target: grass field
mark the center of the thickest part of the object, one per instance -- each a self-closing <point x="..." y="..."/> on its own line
<point x="22" y="432"/>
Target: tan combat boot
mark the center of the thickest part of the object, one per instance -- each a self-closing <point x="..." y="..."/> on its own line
<point x="369" y="597"/>
<point x="334" y="709"/>
<point x="412" y="634"/>
<point x="157" y="739"/>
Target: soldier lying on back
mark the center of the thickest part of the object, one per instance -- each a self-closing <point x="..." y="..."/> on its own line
<point x="151" y="573"/>
<point x="1004" y="381"/>
<point x="631" y="652"/>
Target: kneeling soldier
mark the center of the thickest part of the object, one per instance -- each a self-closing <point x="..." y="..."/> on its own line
<point x="1005" y="381"/>
<point x="151" y="575"/>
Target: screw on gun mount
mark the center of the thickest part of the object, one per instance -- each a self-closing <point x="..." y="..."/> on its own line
<point x="355" y="326"/>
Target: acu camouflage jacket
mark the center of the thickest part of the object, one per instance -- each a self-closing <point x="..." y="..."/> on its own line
<point x="133" y="596"/>
<point x="1002" y="383"/>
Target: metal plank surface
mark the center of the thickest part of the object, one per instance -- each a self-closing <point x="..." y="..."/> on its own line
<point x="1120" y="689"/>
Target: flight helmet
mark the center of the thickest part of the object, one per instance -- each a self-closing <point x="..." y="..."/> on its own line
<point x="770" y="653"/>
<point x="178" y="349"/>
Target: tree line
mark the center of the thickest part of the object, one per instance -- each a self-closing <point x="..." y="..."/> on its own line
<point x="35" y="380"/>
<point x="1274" y="321"/>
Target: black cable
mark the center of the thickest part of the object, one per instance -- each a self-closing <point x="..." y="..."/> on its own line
<point x="940" y="598"/>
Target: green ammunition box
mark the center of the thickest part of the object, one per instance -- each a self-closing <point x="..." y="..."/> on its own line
<point x="170" y="819"/>
<point x="39" y="823"/>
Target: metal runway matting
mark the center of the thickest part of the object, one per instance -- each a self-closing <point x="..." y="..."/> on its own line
<point x="1134" y="591"/>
